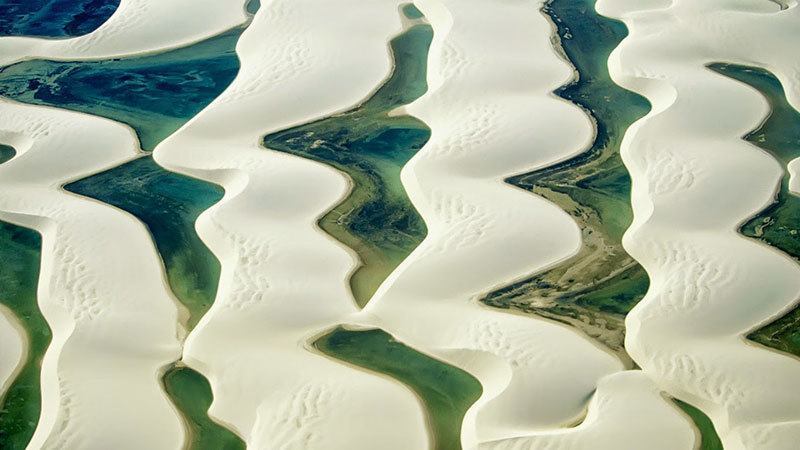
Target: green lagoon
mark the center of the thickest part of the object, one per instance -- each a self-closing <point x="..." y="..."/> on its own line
<point x="371" y="146"/>
<point x="446" y="391"/>
<point x="20" y="405"/>
<point x="192" y="395"/>
<point x="778" y="224"/>
<point x="168" y="204"/>
<point x="709" y="439"/>
<point x="596" y="288"/>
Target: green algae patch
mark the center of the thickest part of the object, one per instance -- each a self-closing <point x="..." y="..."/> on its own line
<point x="709" y="439"/>
<point x="371" y="146"/>
<point x="778" y="224"/>
<point x="168" y="204"/>
<point x="446" y="391"/>
<point x="191" y="393"/>
<point x="596" y="288"/>
<point x="20" y="405"/>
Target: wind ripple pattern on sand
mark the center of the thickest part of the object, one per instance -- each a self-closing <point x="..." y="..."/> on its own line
<point x="492" y="69"/>
<point x="710" y="285"/>
<point x="102" y="288"/>
<point x="101" y="282"/>
<point x="283" y="280"/>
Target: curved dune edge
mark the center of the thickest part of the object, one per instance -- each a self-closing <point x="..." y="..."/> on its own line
<point x="283" y="280"/>
<point x="492" y="71"/>
<point x="83" y="383"/>
<point x="15" y="347"/>
<point x="695" y="181"/>
<point x="101" y="282"/>
<point x="137" y="26"/>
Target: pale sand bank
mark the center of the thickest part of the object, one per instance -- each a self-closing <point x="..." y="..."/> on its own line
<point x="695" y="182"/>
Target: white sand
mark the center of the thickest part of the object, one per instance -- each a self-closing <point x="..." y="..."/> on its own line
<point x="137" y="26"/>
<point x="283" y="280"/>
<point x="695" y="181"/>
<point x="493" y="115"/>
<point x="621" y="417"/>
<point x="102" y="289"/>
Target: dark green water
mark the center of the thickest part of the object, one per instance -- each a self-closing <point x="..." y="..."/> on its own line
<point x="377" y="219"/>
<point x="6" y="152"/>
<point x="446" y="391"/>
<point x="192" y="395"/>
<point x="20" y="252"/>
<point x="154" y="94"/>
<point x="709" y="439"/>
<point x="168" y="204"/>
<point x="53" y="18"/>
<point x="778" y="224"/>
<point x="593" y="187"/>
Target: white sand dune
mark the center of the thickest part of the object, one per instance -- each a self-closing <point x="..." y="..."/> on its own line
<point x="137" y="26"/>
<point x="492" y="70"/>
<point x="102" y="289"/>
<point x="695" y="181"/>
<point x="620" y="417"/>
<point x="283" y="280"/>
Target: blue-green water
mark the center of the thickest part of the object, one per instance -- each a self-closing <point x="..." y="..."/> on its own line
<point x="53" y="18"/>
<point x="778" y="224"/>
<point x="154" y="94"/>
<point x="593" y="187"/>
<point x="377" y="220"/>
<point x="168" y="204"/>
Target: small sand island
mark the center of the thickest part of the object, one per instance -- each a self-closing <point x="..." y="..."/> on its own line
<point x="397" y="225"/>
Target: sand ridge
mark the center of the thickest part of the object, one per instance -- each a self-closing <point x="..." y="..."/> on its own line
<point x="283" y="280"/>
<point x="710" y="285"/>
<point x="101" y="282"/>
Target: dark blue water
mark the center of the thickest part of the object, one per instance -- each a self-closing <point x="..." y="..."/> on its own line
<point x="154" y="94"/>
<point x="53" y="18"/>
